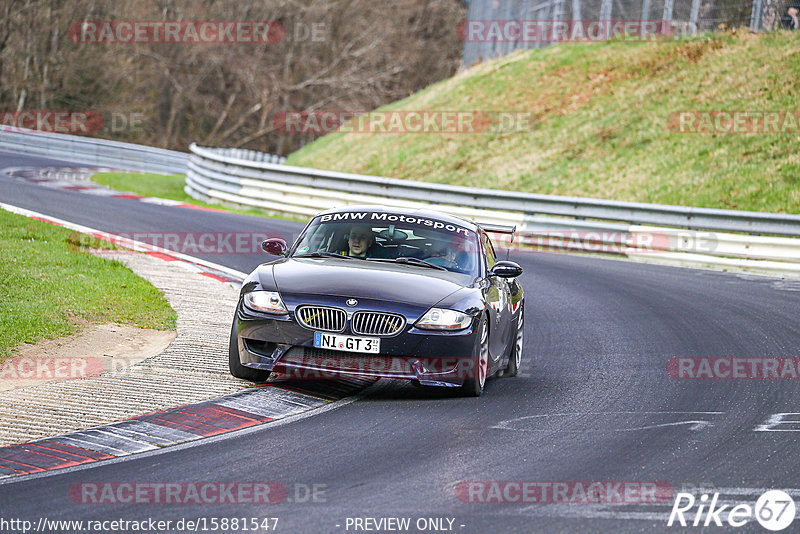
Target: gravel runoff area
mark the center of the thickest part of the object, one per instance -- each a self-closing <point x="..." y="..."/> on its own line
<point x="193" y="368"/>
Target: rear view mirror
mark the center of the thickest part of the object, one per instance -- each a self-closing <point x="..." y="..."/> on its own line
<point x="506" y="269"/>
<point x="275" y="246"/>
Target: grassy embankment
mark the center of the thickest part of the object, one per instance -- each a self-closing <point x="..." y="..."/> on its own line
<point x="49" y="286"/>
<point x="170" y="187"/>
<point x="600" y="125"/>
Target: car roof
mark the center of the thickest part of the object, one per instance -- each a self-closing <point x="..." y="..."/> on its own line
<point x="416" y="212"/>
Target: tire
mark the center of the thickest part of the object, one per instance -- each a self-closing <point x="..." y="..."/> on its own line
<point x="515" y="359"/>
<point x="473" y="387"/>
<point x="235" y="365"/>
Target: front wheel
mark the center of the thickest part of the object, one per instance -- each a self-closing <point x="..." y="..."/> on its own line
<point x="235" y="365"/>
<point x="479" y="369"/>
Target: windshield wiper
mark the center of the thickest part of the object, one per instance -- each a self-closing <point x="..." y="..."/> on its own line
<point x="409" y="260"/>
<point x="323" y="254"/>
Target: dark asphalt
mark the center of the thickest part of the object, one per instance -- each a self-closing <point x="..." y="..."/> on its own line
<point x="594" y="389"/>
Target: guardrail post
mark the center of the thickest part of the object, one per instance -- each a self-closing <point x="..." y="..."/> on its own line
<point x="645" y="11"/>
<point x="756" y="15"/>
<point x="605" y="10"/>
<point x="576" y="10"/>
<point x="693" y="16"/>
<point x="668" y="5"/>
<point x="558" y="10"/>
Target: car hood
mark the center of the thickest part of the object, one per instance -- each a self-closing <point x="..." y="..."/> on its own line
<point x="364" y="279"/>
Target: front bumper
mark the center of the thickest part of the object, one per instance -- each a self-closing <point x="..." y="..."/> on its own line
<point x="281" y="344"/>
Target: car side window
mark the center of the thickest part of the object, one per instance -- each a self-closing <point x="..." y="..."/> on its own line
<point x="491" y="258"/>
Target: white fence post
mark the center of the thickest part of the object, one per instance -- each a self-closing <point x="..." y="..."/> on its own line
<point x="668" y="5"/>
<point x="693" y="16"/>
<point x="756" y="14"/>
<point x="645" y="11"/>
<point x="605" y="10"/>
<point x="576" y="10"/>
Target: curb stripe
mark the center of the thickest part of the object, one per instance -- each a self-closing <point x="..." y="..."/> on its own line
<point x="7" y="471"/>
<point x="18" y="466"/>
<point x="162" y="256"/>
<point x="89" y="455"/>
<point x="44" y="220"/>
<point x="88" y="441"/>
<point x="90" y="187"/>
<point x="39" y="460"/>
<point x="217" y="278"/>
<point x="201" y="208"/>
<point x="59" y="453"/>
<point x="248" y="408"/>
<point x="158" y="434"/>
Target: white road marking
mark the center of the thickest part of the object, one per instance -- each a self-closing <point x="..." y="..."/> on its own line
<point x="696" y="425"/>
<point x="510" y="424"/>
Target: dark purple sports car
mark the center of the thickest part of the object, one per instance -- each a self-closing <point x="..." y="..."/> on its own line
<point x="369" y="291"/>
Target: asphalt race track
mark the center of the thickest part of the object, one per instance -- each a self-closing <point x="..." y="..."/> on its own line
<point x="593" y="402"/>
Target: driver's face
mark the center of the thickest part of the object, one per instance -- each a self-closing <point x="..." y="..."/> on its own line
<point x="359" y="241"/>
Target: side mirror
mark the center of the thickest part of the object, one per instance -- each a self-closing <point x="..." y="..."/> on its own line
<point x="275" y="246"/>
<point x="506" y="269"/>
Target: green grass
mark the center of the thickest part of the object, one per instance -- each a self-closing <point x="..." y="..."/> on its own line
<point x="600" y="128"/>
<point x="48" y="286"/>
<point x="169" y="187"/>
<point x="146" y="184"/>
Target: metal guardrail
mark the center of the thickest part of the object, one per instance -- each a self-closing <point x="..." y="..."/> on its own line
<point x="682" y="235"/>
<point x="250" y="155"/>
<point x="91" y="151"/>
<point x="211" y="168"/>
<point x="672" y="234"/>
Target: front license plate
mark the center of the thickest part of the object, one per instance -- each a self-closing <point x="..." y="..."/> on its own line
<point x="347" y="343"/>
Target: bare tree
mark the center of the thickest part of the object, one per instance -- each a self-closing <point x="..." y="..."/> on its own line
<point x="338" y="54"/>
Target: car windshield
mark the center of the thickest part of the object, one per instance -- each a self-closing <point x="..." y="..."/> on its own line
<point x="416" y="241"/>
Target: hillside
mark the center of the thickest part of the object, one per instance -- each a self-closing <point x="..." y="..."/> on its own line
<point x="605" y="124"/>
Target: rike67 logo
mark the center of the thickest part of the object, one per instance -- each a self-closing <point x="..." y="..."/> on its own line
<point x="774" y="510"/>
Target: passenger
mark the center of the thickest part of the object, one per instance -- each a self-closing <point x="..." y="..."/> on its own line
<point x="443" y="257"/>
<point x="360" y="240"/>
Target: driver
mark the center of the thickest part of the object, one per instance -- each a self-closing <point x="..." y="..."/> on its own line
<point x="360" y="240"/>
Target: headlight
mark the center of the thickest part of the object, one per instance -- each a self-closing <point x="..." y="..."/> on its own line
<point x="439" y="319"/>
<point x="265" y="301"/>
